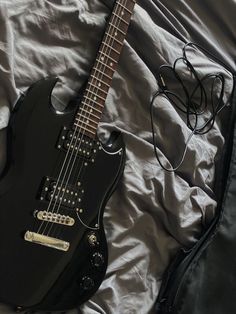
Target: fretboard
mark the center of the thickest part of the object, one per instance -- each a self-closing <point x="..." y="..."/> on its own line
<point x="93" y="101"/>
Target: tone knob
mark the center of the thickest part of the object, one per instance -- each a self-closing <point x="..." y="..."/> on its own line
<point x="97" y="259"/>
<point x="87" y="283"/>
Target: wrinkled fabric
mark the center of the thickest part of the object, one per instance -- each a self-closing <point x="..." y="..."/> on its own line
<point x="152" y="213"/>
<point x="209" y="286"/>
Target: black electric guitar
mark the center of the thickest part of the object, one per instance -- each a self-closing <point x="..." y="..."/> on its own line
<point x="53" y="190"/>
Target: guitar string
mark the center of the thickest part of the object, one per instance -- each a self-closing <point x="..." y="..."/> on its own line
<point x="68" y="151"/>
<point x="57" y="183"/>
<point x="109" y="42"/>
<point x="63" y="188"/>
<point x="91" y="91"/>
<point x="111" y="38"/>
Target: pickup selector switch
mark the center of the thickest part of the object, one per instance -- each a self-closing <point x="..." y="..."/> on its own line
<point x="92" y="239"/>
<point x="97" y="259"/>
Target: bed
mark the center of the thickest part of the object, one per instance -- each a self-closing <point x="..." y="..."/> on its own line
<point x="153" y="212"/>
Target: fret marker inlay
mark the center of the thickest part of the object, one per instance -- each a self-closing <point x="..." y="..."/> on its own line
<point x="94" y="97"/>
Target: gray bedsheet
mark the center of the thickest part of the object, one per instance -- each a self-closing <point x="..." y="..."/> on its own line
<point x="152" y="213"/>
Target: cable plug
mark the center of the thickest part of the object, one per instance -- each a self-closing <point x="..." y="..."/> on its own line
<point x="161" y="82"/>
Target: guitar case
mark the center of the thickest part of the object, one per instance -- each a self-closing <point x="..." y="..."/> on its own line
<point x="202" y="280"/>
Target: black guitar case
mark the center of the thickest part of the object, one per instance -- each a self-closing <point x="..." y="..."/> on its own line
<point x="202" y="280"/>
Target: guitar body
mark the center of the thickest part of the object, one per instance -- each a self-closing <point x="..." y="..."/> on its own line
<point x="66" y="266"/>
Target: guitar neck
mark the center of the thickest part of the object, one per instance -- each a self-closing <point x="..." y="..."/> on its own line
<point x="93" y="100"/>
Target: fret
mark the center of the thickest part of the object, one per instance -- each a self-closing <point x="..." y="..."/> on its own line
<point x="90" y="113"/>
<point x="99" y="80"/>
<point x="92" y="108"/>
<point x="120" y="18"/>
<point x="104" y="74"/>
<point x="85" y="129"/>
<point x="110" y="47"/>
<point x="123" y="33"/>
<point x="97" y="87"/>
<point x="124" y="7"/>
<point x="87" y="119"/>
<point x="115" y="61"/>
<point x="113" y="37"/>
<point x="79" y="122"/>
<point x="96" y="95"/>
<point x="105" y="64"/>
<point x="129" y="4"/>
<point x="94" y="77"/>
<point x="93" y="100"/>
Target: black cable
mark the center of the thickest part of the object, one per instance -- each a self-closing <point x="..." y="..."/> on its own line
<point x="186" y="104"/>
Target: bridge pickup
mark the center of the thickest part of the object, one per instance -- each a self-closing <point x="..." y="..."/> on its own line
<point x="66" y="195"/>
<point x="55" y="218"/>
<point x="46" y="241"/>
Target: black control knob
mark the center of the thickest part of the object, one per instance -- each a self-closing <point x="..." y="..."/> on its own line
<point x="97" y="259"/>
<point x="87" y="283"/>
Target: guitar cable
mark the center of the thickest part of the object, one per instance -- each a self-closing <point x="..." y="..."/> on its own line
<point x="187" y="105"/>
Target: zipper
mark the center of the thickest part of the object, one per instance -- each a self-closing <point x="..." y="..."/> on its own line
<point x="176" y="273"/>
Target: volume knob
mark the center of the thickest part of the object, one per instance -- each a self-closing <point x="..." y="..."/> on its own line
<point x="97" y="259"/>
<point x="87" y="283"/>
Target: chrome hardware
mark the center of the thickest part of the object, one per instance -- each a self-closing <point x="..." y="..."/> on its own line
<point x="55" y="218"/>
<point x="65" y="195"/>
<point x="46" y="241"/>
<point x="92" y="239"/>
<point x="80" y="145"/>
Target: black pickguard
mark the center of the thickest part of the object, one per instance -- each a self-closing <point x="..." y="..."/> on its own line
<point x="36" y="276"/>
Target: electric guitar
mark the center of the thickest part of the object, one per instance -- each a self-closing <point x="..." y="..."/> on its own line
<point x="55" y="185"/>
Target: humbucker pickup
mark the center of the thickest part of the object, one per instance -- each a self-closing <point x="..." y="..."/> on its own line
<point x="55" y="218"/>
<point x="46" y="241"/>
<point x="78" y="143"/>
<point x="68" y="196"/>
